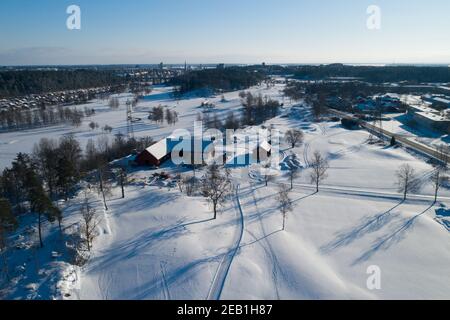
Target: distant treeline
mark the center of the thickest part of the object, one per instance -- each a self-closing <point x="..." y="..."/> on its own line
<point x="227" y="79"/>
<point x="256" y="110"/>
<point x="411" y="74"/>
<point x="19" y="83"/>
<point x="15" y="119"/>
<point x="351" y="90"/>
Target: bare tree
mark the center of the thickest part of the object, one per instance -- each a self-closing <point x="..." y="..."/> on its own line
<point x="407" y="181"/>
<point x="293" y="170"/>
<point x="294" y="137"/>
<point x="174" y="117"/>
<point x="267" y="174"/>
<point x="122" y="178"/>
<point x="443" y="155"/>
<point x="103" y="183"/>
<point x="318" y="106"/>
<point x="103" y="145"/>
<point x="231" y="121"/>
<point x="169" y="117"/>
<point x="135" y="101"/>
<point x="107" y="129"/>
<point x="285" y="203"/>
<point x="90" y="222"/>
<point x="216" y="187"/>
<point x="189" y="184"/>
<point x="157" y="114"/>
<point x="179" y="180"/>
<point x="438" y="179"/>
<point x="319" y="166"/>
<point x="114" y="103"/>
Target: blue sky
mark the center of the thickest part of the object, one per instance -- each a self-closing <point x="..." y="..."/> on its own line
<point x="230" y="31"/>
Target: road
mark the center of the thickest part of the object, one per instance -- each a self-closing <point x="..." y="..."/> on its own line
<point x="418" y="147"/>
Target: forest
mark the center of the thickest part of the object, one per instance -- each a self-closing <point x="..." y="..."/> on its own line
<point x="25" y="82"/>
<point x="375" y="74"/>
<point x="226" y="79"/>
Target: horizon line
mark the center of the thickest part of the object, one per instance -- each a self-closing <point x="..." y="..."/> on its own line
<point x="442" y="64"/>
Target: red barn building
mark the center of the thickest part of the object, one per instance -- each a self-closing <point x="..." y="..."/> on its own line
<point x="154" y="155"/>
<point x="161" y="152"/>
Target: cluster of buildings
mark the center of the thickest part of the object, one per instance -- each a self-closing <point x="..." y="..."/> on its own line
<point x="367" y="105"/>
<point x="35" y="101"/>
<point x="429" y="118"/>
<point x="385" y="104"/>
<point x="338" y="103"/>
<point x="198" y="151"/>
<point x="432" y="113"/>
<point x="152" y="76"/>
<point x="440" y="102"/>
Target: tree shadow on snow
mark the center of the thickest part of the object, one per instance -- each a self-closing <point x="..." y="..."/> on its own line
<point x="137" y="245"/>
<point x="141" y="203"/>
<point x="387" y="241"/>
<point x="259" y="240"/>
<point x="368" y="224"/>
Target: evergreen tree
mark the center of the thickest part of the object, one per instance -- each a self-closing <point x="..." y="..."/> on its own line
<point x="68" y="165"/>
<point x="46" y="155"/>
<point x="40" y="203"/>
<point x="22" y="177"/>
<point x="66" y="177"/>
<point x="8" y="223"/>
<point x="231" y="121"/>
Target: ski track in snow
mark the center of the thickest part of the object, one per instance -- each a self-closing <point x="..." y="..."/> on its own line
<point x="307" y="145"/>
<point x="165" y="286"/>
<point x="220" y="277"/>
<point x="270" y="253"/>
<point x="305" y="154"/>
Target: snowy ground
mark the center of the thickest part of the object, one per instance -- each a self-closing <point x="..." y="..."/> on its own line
<point x="357" y="220"/>
<point x="23" y="141"/>
<point x="160" y="244"/>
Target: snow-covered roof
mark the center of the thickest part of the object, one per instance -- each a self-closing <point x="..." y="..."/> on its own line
<point x="423" y="108"/>
<point x="433" y="117"/>
<point x="265" y="145"/>
<point x="442" y="100"/>
<point x="158" y="150"/>
<point x="162" y="148"/>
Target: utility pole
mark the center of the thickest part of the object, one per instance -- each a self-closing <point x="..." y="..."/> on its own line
<point x="130" y="129"/>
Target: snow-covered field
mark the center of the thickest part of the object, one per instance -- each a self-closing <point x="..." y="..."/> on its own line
<point x="12" y="143"/>
<point x="163" y="246"/>
<point x="157" y="243"/>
